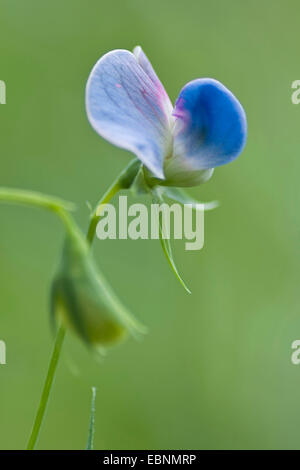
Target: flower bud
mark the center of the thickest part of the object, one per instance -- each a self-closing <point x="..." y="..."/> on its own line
<point x="82" y="299"/>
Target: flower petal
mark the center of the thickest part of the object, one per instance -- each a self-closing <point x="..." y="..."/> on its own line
<point x="126" y="107"/>
<point x="210" y="128"/>
<point x="147" y="67"/>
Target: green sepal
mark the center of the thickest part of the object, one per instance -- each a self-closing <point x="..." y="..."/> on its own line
<point x="140" y="185"/>
<point x="128" y="175"/>
<point x="83" y="300"/>
<point x="179" y="195"/>
<point x="165" y="242"/>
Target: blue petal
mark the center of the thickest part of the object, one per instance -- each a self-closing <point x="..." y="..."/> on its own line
<point x="126" y="107"/>
<point x="210" y="127"/>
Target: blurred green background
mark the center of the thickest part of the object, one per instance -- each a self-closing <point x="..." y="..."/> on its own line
<point x="215" y="369"/>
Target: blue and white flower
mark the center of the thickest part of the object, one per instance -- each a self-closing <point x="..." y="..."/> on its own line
<point x="180" y="146"/>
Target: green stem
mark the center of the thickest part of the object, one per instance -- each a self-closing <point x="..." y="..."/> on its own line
<point x="70" y="227"/>
<point x="47" y="387"/>
<point x="60" y="207"/>
<point x="31" y="198"/>
<point x="90" y="440"/>
<point x="123" y="181"/>
<point x="34" y="199"/>
<point x="95" y="216"/>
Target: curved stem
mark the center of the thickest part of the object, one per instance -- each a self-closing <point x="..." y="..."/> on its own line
<point x="70" y="227"/>
<point x="95" y="216"/>
<point x="123" y="181"/>
<point x="60" y="207"/>
<point x="56" y="205"/>
<point x="47" y="387"/>
<point x="32" y="198"/>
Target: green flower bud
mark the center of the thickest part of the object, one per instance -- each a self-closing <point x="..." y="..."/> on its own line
<point x="82" y="299"/>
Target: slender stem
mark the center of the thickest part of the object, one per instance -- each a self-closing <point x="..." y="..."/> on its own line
<point x="70" y="226"/>
<point x="59" y="208"/>
<point x="95" y="217"/>
<point x="90" y="440"/>
<point x="47" y="387"/>
<point x="123" y="181"/>
<point x="32" y="198"/>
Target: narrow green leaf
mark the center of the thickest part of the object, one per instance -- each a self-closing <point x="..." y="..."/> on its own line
<point x="166" y="244"/>
<point x="179" y="195"/>
<point x="90" y="440"/>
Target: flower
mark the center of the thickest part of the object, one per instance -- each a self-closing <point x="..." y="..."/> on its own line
<point x="128" y="106"/>
<point x="83" y="300"/>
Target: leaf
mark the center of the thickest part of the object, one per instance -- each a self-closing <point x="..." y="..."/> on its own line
<point x="139" y="185"/>
<point x="90" y="440"/>
<point x="166" y="245"/>
<point x="179" y="195"/>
